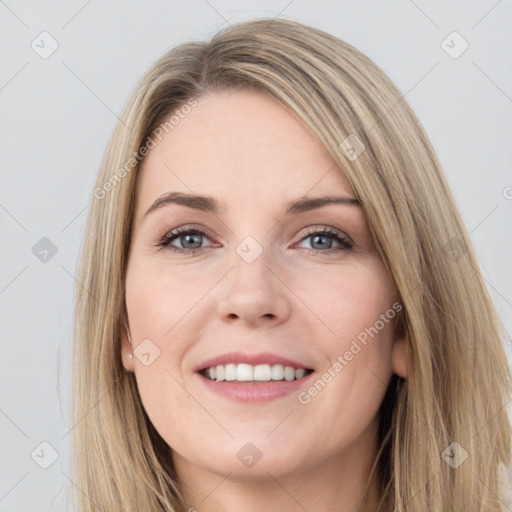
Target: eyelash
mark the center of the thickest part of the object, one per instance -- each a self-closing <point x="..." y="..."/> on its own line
<point x="345" y="242"/>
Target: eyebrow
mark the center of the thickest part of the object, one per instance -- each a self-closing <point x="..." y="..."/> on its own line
<point x="209" y="204"/>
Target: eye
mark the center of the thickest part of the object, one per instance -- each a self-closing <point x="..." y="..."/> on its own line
<point x="322" y="240"/>
<point x="190" y="240"/>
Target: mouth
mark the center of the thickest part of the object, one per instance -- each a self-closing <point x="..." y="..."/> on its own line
<point x="241" y="388"/>
<point x="253" y="374"/>
<point x="253" y="377"/>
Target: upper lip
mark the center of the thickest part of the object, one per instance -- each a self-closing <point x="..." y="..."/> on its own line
<point x="252" y="359"/>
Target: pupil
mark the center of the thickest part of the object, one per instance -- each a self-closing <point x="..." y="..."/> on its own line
<point x="189" y="238"/>
<point x="316" y="238"/>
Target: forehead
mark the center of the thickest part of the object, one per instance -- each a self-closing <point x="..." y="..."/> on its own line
<point x="241" y="146"/>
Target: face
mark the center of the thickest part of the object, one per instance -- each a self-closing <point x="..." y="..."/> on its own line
<point x="241" y="276"/>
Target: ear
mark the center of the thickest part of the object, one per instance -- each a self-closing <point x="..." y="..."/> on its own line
<point x="126" y="349"/>
<point x="402" y="357"/>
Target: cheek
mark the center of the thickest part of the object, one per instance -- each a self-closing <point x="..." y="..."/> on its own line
<point x="349" y="299"/>
<point x="157" y="306"/>
<point x="354" y="304"/>
<point x="160" y="298"/>
<point x="165" y="307"/>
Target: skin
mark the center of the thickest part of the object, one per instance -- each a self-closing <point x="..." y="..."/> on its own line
<point x="253" y="156"/>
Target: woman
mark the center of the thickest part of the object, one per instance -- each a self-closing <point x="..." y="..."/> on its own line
<point x="326" y="342"/>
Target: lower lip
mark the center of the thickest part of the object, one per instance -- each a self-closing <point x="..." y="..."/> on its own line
<point x="255" y="391"/>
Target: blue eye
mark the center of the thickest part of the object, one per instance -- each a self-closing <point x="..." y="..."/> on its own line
<point x="322" y="241"/>
<point x="191" y="240"/>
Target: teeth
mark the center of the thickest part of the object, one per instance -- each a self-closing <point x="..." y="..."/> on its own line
<point x="289" y="373"/>
<point x="244" y="372"/>
<point x="230" y="373"/>
<point x="262" y="372"/>
<point x="277" y="372"/>
<point x="300" y="373"/>
<point x="248" y="373"/>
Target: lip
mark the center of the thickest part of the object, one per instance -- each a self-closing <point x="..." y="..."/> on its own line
<point x="255" y="391"/>
<point x="252" y="359"/>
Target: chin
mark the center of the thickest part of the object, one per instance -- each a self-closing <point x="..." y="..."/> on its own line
<point x="260" y="471"/>
<point x="254" y="460"/>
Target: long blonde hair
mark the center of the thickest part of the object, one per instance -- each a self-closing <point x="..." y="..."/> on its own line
<point x="460" y="381"/>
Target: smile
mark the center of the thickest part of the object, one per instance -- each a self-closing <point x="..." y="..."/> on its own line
<point x="244" y="372"/>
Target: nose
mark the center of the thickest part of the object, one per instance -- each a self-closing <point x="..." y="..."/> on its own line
<point x="254" y="295"/>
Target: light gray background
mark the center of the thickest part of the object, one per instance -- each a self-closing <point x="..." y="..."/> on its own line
<point x="57" y="115"/>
